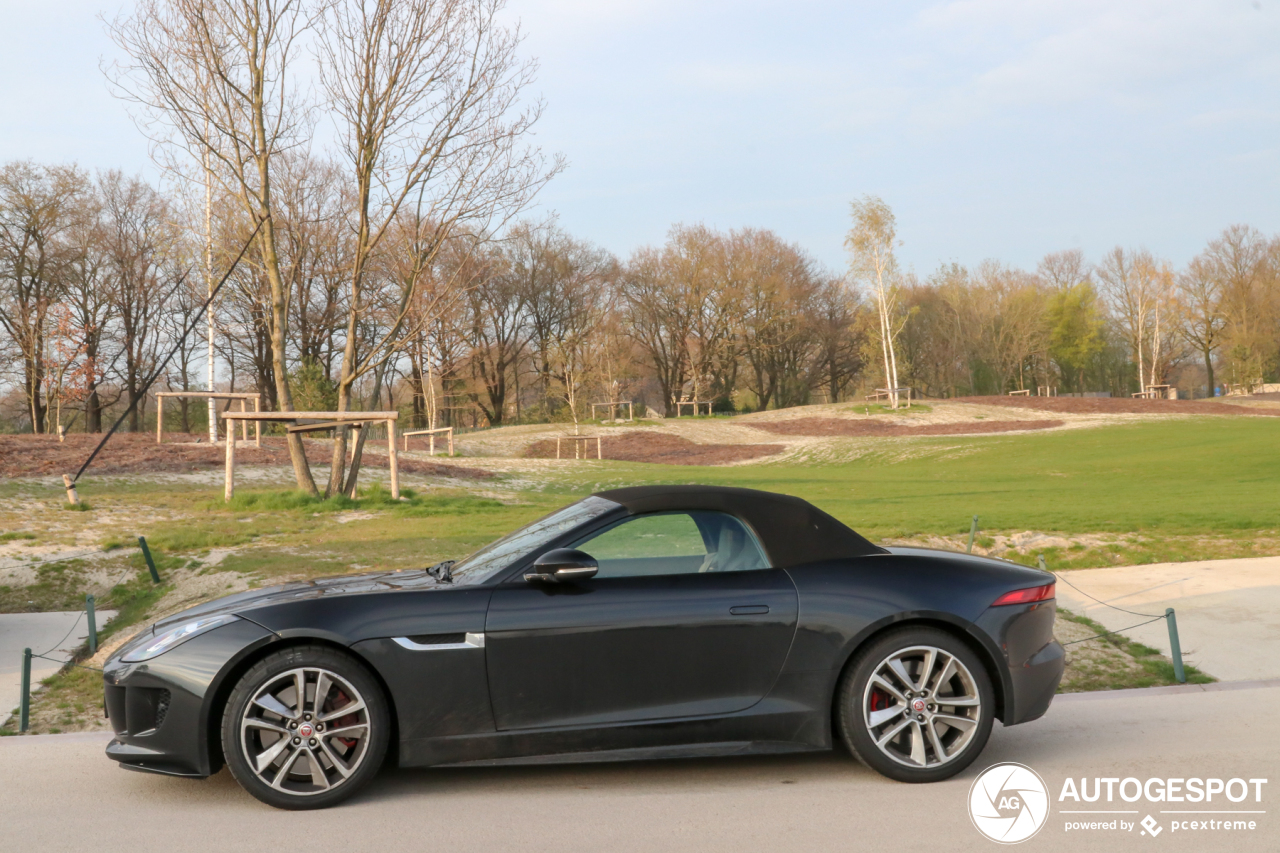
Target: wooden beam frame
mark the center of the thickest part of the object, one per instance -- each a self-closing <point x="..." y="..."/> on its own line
<point x="615" y="404"/>
<point x="580" y="448"/>
<point x="431" y="436"/>
<point x="244" y="398"/>
<point x="312" y="422"/>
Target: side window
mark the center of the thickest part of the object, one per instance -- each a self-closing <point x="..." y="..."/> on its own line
<point x="674" y="543"/>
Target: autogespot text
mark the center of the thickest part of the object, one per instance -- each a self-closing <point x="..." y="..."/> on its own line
<point x="1220" y="805"/>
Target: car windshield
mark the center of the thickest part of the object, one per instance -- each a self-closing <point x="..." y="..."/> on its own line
<point x="496" y="556"/>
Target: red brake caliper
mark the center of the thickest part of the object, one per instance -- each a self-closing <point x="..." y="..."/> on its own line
<point x="350" y="719"/>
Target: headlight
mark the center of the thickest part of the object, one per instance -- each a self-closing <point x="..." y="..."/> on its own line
<point x="162" y="642"/>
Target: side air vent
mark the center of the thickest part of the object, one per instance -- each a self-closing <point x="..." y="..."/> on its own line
<point x="439" y="639"/>
<point x="440" y="642"/>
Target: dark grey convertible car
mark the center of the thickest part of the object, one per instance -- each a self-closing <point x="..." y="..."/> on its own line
<point x="658" y="621"/>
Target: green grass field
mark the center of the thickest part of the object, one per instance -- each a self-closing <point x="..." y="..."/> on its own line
<point x="1182" y="489"/>
<point x="1202" y="476"/>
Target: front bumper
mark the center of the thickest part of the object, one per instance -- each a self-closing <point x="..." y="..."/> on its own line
<point x="162" y="709"/>
<point x="1033" y="659"/>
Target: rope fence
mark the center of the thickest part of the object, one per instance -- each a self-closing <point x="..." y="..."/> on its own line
<point x="1170" y="618"/>
<point x="24" y="706"/>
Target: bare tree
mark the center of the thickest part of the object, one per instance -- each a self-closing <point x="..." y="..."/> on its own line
<point x="1126" y="282"/>
<point x="778" y="289"/>
<point x="871" y="244"/>
<point x="1237" y="261"/>
<point x="87" y="297"/>
<point x="139" y="240"/>
<point x="837" y="334"/>
<point x="218" y="80"/>
<point x="36" y="209"/>
<point x="428" y="97"/>
<point x="1063" y="270"/>
<point x="660" y="313"/>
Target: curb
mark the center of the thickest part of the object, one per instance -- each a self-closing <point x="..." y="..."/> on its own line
<point x="1139" y="692"/>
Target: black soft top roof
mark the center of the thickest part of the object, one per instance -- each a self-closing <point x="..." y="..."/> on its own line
<point x="793" y="531"/>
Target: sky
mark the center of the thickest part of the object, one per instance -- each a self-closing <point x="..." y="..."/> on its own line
<point x="998" y="129"/>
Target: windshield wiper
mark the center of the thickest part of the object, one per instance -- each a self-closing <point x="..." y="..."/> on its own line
<point x="442" y="571"/>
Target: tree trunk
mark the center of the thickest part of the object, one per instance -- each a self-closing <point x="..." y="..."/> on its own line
<point x="279" y="320"/>
<point x="1208" y="368"/>
<point x="352" y="477"/>
<point x="93" y="411"/>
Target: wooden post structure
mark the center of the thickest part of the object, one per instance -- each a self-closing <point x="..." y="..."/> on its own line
<point x="230" y="489"/>
<point x="391" y="460"/>
<point x="72" y="496"/>
<point x="309" y="422"/>
<point x="243" y="397"/>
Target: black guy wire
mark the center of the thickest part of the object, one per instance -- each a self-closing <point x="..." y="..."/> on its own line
<point x="77" y="622"/>
<point x="54" y="560"/>
<point x="1103" y="603"/>
<point x="67" y="663"/>
<point x="160" y="369"/>
<point x="1117" y="631"/>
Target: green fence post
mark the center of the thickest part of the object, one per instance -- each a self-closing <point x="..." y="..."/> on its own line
<point x="1175" y="647"/>
<point x="973" y="529"/>
<point x="93" y="624"/>
<point x="24" y="708"/>
<point x="146" y="555"/>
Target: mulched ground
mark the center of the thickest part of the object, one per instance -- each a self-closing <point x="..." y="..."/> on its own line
<point x="659" y="448"/>
<point x="1118" y="406"/>
<point x="138" y="453"/>
<point x="879" y="429"/>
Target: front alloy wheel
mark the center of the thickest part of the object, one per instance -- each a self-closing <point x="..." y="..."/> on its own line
<point x="917" y="705"/>
<point x="305" y="727"/>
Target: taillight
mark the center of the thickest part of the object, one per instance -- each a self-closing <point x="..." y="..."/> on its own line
<point x="1026" y="596"/>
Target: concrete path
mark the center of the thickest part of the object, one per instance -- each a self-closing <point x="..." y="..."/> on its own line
<point x="38" y="632"/>
<point x="1228" y="611"/>
<point x="62" y="793"/>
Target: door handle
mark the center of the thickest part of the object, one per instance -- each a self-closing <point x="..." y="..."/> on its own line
<point x="749" y="609"/>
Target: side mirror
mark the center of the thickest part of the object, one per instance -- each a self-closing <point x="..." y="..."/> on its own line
<point x="561" y="565"/>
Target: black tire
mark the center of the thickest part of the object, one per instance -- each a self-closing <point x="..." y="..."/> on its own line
<point x="345" y="762"/>
<point x="860" y="704"/>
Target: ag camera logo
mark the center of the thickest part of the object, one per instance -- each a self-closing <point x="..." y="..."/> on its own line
<point x="1008" y="803"/>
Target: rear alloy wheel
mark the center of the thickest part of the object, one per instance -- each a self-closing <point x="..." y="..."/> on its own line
<point x="916" y="705"/>
<point x="305" y="728"/>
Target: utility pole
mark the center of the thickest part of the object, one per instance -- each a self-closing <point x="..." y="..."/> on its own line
<point x="208" y="280"/>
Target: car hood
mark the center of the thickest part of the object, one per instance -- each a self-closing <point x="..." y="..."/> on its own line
<point x="242" y="602"/>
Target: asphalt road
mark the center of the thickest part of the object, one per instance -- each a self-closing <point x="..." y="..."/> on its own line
<point x="1227" y="610"/>
<point x="40" y="632"/>
<point x="60" y="793"/>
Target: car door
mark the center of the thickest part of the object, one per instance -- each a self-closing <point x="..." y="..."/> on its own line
<point x="684" y="618"/>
